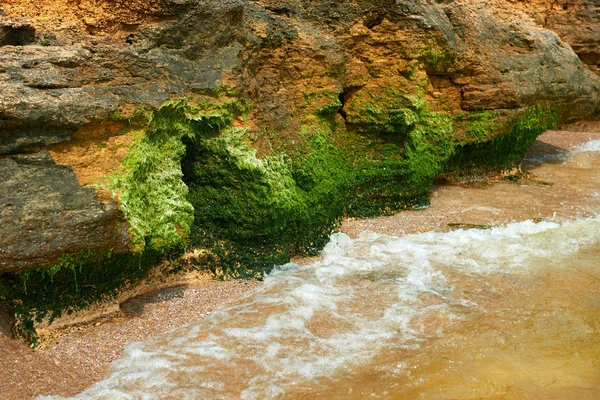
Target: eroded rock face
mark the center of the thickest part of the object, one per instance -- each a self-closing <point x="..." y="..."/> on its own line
<point x="92" y="59"/>
<point x="527" y="63"/>
<point x="577" y="22"/>
<point x="48" y="213"/>
<point x="15" y="32"/>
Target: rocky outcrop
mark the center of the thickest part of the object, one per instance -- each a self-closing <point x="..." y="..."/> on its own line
<point x="47" y="209"/>
<point x="486" y="56"/>
<point x="577" y="22"/>
<point x="296" y="112"/>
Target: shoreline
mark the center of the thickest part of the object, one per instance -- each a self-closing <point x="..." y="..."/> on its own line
<point x="551" y="190"/>
<point x="80" y="355"/>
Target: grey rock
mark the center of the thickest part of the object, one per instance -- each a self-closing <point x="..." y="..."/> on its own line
<point x="45" y="213"/>
<point x="528" y="64"/>
<point x="33" y="116"/>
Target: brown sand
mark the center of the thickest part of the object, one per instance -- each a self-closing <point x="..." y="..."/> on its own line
<point x="81" y="355"/>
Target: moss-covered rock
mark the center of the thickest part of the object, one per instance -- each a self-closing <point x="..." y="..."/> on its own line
<point x="193" y="180"/>
<point x="76" y="282"/>
<point x="357" y="108"/>
<point x="492" y="146"/>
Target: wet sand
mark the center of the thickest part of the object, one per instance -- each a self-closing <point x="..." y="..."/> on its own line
<point x="80" y="356"/>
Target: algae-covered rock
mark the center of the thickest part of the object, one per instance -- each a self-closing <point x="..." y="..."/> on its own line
<point x="247" y="129"/>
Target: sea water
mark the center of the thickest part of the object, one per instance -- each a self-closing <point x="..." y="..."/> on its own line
<point x="511" y="312"/>
<point x="508" y="312"/>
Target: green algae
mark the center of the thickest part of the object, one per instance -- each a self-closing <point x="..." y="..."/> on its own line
<point x="496" y="153"/>
<point x="477" y="126"/>
<point x="254" y="213"/>
<point x="392" y="110"/>
<point x="193" y="180"/>
<point x="436" y="58"/>
<point x="323" y="103"/>
<point x="151" y="194"/>
<point x="150" y="190"/>
<point x="404" y="148"/>
<point x="75" y="282"/>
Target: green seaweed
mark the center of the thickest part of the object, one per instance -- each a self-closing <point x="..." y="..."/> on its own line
<point x="75" y="282"/>
<point x="409" y="147"/>
<point x="192" y="180"/>
<point x="323" y="103"/>
<point x="253" y="213"/>
<point x="476" y="126"/>
<point x="151" y="192"/>
<point x="506" y="151"/>
<point x="391" y="111"/>
<point x="436" y="58"/>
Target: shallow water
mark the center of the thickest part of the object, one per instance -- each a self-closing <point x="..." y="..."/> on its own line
<point x="510" y="312"/>
<point x="505" y="313"/>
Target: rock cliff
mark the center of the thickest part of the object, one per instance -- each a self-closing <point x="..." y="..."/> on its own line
<point x="577" y="22"/>
<point x="132" y="130"/>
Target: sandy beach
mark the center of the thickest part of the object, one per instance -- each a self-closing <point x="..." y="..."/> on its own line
<point x="81" y="355"/>
<point x="555" y="188"/>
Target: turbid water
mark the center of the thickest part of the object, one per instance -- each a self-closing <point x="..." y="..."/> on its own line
<point x="511" y="312"/>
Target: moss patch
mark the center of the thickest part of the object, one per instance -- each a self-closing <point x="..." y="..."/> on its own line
<point x="151" y="192"/>
<point x="77" y="281"/>
<point x="252" y="213"/>
<point x="436" y="58"/>
<point x="403" y="147"/>
<point x="325" y="102"/>
<point x="485" y="153"/>
<point x="193" y="179"/>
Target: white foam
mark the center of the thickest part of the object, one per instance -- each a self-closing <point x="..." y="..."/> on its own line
<point x="591" y="146"/>
<point x="308" y="324"/>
